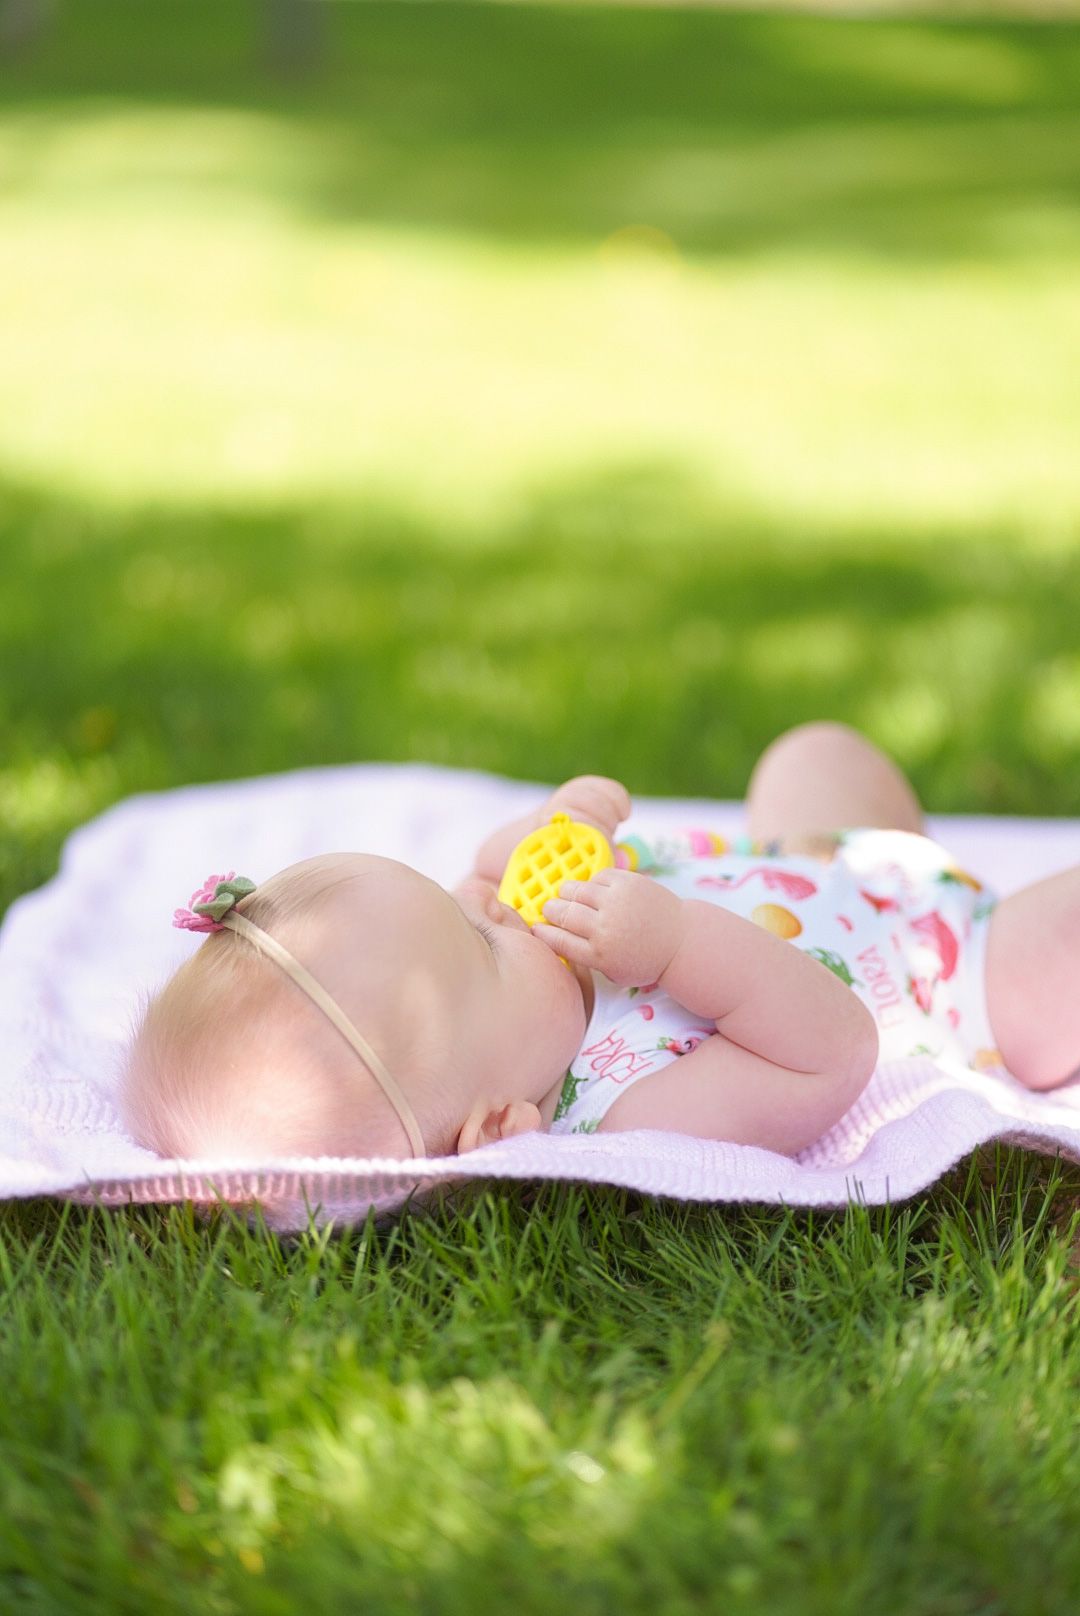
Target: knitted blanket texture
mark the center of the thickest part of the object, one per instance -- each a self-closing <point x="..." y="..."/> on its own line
<point x="75" y="954"/>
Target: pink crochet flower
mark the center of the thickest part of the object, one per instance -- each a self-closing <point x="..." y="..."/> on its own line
<point x="187" y="920"/>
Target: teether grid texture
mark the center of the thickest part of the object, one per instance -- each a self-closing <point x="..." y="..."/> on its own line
<point x="546" y="858"/>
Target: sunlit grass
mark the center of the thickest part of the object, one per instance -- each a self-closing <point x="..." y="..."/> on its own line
<point x="547" y="390"/>
<point x="549" y="1396"/>
<point x="291" y="361"/>
<point x="833" y="280"/>
<point x="38" y="797"/>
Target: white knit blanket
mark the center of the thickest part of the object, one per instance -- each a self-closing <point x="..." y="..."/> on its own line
<point x="74" y="954"/>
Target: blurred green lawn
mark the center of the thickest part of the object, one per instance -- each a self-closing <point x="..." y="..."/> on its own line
<point x="536" y="389"/>
<point x="544" y="390"/>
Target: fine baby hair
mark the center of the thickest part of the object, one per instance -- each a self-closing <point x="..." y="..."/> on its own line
<point x="217" y="911"/>
<point x="227" y="1013"/>
<point x="226" y="1057"/>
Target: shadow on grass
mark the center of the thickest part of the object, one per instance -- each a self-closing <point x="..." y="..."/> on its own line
<point x="728" y="133"/>
<point x="621" y="625"/>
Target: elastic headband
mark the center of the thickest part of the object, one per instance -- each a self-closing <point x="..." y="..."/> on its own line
<point x="213" y="908"/>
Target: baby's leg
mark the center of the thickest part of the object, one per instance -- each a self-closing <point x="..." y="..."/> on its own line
<point x="822" y="776"/>
<point x="1033" y="980"/>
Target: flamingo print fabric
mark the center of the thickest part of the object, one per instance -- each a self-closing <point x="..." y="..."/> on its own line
<point x="76" y="954"/>
<point x="891" y="914"/>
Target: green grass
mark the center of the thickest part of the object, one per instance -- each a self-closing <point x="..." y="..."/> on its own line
<point x="543" y="390"/>
<point x="550" y="1397"/>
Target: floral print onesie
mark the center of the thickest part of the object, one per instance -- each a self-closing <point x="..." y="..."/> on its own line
<point x="888" y="911"/>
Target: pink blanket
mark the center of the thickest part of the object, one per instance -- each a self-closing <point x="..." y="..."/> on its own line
<point x="74" y="954"/>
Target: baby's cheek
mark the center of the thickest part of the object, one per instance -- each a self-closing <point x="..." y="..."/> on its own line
<point x="566" y="1008"/>
<point x="544" y="992"/>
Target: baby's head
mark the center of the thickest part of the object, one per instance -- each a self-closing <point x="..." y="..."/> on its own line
<point x="232" y="1058"/>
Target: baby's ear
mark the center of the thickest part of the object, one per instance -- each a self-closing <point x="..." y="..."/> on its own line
<point x="483" y="1125"/>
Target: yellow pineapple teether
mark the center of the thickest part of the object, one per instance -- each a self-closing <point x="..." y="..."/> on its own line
<point x="564" y="850"/>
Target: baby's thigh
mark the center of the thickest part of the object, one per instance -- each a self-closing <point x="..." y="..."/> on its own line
<point x="1032" y="969"/>
<point x="823" y="776"/>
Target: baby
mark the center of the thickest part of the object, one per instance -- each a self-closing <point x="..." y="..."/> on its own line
<point x="351" y="1006"/>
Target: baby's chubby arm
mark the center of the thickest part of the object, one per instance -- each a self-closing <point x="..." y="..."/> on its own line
<point x="764" y="995"/>
<point x="591" y="798"/>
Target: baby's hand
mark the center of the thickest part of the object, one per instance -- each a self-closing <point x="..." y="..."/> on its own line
<point x="621" y="923"/>
<point x="594" y="800"/>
